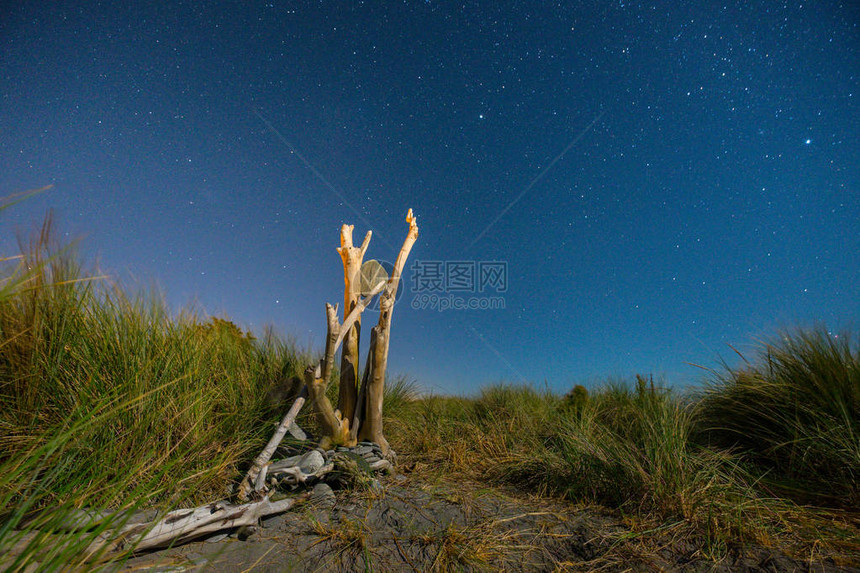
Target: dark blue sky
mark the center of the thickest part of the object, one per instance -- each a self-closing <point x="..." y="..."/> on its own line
<point x="659" y="180"/>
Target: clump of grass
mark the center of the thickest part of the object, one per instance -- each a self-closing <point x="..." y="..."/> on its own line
<point x="349" y="540"/>
<point x="399" y="392"/>
<point x="574" y="401"/>
<point x="197" y="389"/>
<point x="109" y="401"/>
<point x="429" y="429"/>
<point x="625" y="447"/>
<point x="42" y="495"/>
<point x="468" y="436"/>
<point x="473" y="548"/>
<point x="796" y="412"/>
<point x="634" y="449"/>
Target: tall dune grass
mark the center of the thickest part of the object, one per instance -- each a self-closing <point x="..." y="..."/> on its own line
<point x="195" y="390"/>
<point x="110" y="401"/>
<point x="796" y="411"/>
<point x="626" y="447"/>
<point x="729" y="464"/>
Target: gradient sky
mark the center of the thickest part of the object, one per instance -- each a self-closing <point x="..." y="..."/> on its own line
<point x="660" y="179"/>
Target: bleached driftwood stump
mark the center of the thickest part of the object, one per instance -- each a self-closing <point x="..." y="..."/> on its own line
<point x="369" y="426"/>
<point x="359" y="412"/>
<point x="352" y="260"/>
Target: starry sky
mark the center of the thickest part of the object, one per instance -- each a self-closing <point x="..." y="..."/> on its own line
<point x="602" y="188"/>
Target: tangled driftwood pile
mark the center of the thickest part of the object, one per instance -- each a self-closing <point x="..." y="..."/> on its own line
<point x="142" y="532"/>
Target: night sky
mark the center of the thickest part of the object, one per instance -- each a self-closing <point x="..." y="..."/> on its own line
<point x="638" y="185"/>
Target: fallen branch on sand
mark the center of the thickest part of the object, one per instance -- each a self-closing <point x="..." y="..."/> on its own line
<point x="183" y="525"/>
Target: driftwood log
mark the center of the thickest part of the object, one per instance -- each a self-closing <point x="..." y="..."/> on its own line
<point x="183" y="525"/>
<point x="263" y="458"/>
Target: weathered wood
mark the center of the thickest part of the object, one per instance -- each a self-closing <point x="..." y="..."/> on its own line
<point x="294" y="475"/>
<point x="334" y="426"/>
<point x="371" y="426"/>
<point x="333" y="336"/>
<point x="352" y="260"/>
<point x="183" y="525"/>
<point x="262" y="459"/>
<point x="356" y="312"/>
<point x="377" y="356"/>
<point x="360" y="408"/>
<point x="84" y="519"/>
<point x="260" y="482"/>
<point x="334" y="429"/>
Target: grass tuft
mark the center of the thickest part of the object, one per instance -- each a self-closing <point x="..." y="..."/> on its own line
<point x="634" y="447"/>
<point x="109" y="402"/>
<point x="796" y="412"/>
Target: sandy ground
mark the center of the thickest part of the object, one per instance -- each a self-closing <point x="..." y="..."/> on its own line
<point x="409" y="525"/>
